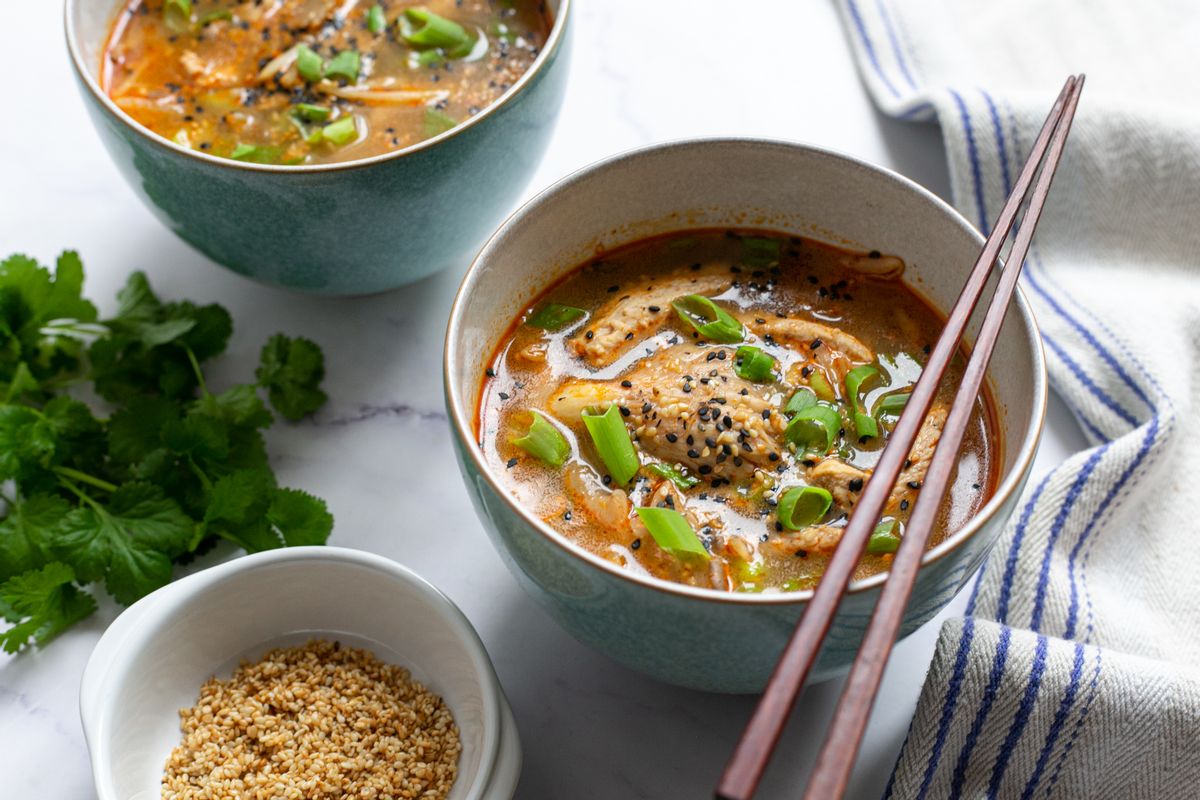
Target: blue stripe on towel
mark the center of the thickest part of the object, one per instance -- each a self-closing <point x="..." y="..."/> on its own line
<point x="1081" y="375"/>
<point x="1087" y="706"/>
<point x="1021" y="719"/>
<point x="1014" y="551"/>
<point x="1060" y="718"/>
<point x="1060" y="520"/>
<point x="869" y="48"/>
<point x="956" y="679"/>
<point x="985" y="707"/>
<point x="973" y="154"/>
<point x="1085" y="535"/>
<point x="894" y="39"/>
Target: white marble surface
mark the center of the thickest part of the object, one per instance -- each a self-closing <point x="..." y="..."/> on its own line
<point x="380" y="452"/>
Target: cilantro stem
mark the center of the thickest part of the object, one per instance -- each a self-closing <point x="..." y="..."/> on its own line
<point x="200" y="474"/>
<point x="196" y="368"/>
<point x="81" y="494"/>
<point x="83" y="477"/>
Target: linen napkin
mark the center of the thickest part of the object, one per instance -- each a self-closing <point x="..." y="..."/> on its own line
<point x="1074" y="673"/>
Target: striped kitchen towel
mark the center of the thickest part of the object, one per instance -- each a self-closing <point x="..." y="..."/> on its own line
<point x="1074" y="673"/>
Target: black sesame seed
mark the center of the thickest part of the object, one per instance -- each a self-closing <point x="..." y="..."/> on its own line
<point x="627" y="384"/>
<point x="693" y="453"/>
<point x="606" y="480"/>
<point x="624" y="411"/>
<point x="705" y="469"/>
<point x="672" y="438"/>
<point x="815" y="344"/>
<point x="636" y="544"/>
<point x="589" y="335"/>
<point x="653" y="309"/>
<point x="504" y="395"/>
<point x="614" y="289"/>
<point x="914" y="485"/>
<point x="855" y="485"/>
<point x="512" y="462"/>
<point x="491" y="373"/>
<point x="567" y="516"/>
<point x="874" y="254"/>
<point x="904" y="505"/>
<point x="773" y="456"/>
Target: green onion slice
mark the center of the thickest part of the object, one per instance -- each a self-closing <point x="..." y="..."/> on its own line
<point x="885" y="538"/>
<point x="257" y="154"/>
<point x="344" y="65"/>
<point x="802" y="399"/>
<point x="376" y="20"/>
<point x="672" y="532"/>
<point x="892" y="405"/>
<point x="674" y="475"/>
<point x="310" y="65"/>
<point x="424" y="29"/>
<point x="820" y="385"/>
<point x="801" y="506"/>
<point x="544" y="441"/>
<point x="758" y="251"/>
<point x="612" y="441"/>
<point x="177" y="14"/>
<point x="311" y="112"/>
<point x="864" y="424"/>
<point x="709" y="319"/>
<point x="752" y="364"/>
<point x="814" y="428"/>
<point x="554" y="317"/>
<point x="437" y="122"/>
<point x="213" y="16"/>
<point x="340" y="131"/>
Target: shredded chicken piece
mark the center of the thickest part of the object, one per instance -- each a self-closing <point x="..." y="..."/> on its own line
<point x="830" y="347"/>
<point x="880" y="266"/>
<point x="369" y="96"/>
<point x="607" y="507"/>
<point x="816" y="539"/>
<point x="687" y="409"/>
<point x="620" y="323"/>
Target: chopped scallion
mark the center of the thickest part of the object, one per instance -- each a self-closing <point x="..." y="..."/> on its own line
<point x="177" y="14"/>
<point x="892" y="405"/>
<point x="553" y="317"/>
<point x="752" y="364"/>
<point x="820" y="385"/>
<point x="709" y="319"/>
<point x="376" y="20"/>
<point x="257" y="154"/>
<point x="424" y="29"/>
<point x="802" y="399"/>
<point x="758" y="251"/>
<point x="801" y="506"/>
<point x="612" y="441"/>
<point x="437" y="122"/>
<point x="814" y="428"/>
<point x="213" y="16"/>
<point x="344" y="66"/>
<point x="672" y="532"/>
<point x="311" y="112"/>
<point x="310" y="65"/>
<point x="340" y="131"/>
<point x="885" y="538"/>
<point x="673" y="475"/>
<point x="864" y="424"/>
<point x="544" y="441"/>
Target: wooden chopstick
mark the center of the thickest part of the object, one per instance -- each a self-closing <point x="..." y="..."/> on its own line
<point x="761" y="735"/>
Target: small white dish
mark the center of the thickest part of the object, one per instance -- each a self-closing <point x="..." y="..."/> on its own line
<point x="152" y="660"/>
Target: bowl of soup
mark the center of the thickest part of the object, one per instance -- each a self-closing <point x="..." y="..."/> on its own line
<point x="327" y="146"/>
<point x="671" y="374"/>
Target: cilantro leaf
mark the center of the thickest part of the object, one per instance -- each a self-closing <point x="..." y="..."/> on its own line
<point x="135" y="431"/>
<point x="291" y="371"/>
<point x="129" y="543"/>
<point x="78" y="435"/>
<point x="41" y="604"/>
<point x="25" y="533"/>
<point x="26" y="442"/>
<point x="237" y="509"/>
<point x="300" y="518"/>
<point x="239" y="405"/>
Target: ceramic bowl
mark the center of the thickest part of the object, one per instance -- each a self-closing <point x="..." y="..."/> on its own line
<point x="351" y="228"/>
<point x="152" y="660"/>
<point x="695" y="637"/>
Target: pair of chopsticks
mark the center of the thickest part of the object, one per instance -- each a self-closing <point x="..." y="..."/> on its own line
<point x="842" y="740"/>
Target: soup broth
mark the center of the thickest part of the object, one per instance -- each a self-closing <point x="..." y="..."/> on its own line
<point x="705" y="407"/>
<point x="315" y="81"/>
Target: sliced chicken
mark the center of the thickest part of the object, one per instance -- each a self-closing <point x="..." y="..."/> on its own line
<point x="622" y="322"/>
<point x="845" y="482"/>
<point x="609" y="508"/>
<point x="817" y="539"/>
<point x="828" y="346"/>
<point x="685" y="408"/>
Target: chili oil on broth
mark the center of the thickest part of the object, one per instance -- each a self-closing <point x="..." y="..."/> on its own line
<point x="862" y="294"/>
<point x="226" y="80"/>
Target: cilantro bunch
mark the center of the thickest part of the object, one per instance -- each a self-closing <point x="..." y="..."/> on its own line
<point x="156" y="470"/>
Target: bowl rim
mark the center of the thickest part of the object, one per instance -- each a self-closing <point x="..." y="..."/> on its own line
<point x="158" y="608"/>
<point x="553" y="43"/>
<point x="462" y="427"/>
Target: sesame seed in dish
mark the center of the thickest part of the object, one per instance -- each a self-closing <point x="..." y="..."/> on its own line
<point x="314" y="722"/>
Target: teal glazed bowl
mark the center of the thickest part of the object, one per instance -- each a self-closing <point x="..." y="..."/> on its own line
<point x="349" y="228"/>
<point x="700" y="638"/>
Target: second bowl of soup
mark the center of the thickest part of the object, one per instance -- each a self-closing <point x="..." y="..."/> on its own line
<point x="332" y="147"/>
<point x="672" y="374"/>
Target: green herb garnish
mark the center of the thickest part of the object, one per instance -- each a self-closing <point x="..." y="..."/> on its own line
<point x="752" y="364"/>
<point x="885" y="538"/>
<point x="437" y="122"/>
<point x="710" y="320"/>
<point x="177" y="14"/>
<point x="424" y="29"/>
<point x="814" y="428"/>
<point x="672" y="532"/>
<point x="344" y="66"/>
<point x="169" y="468"/>
<point x="376" y="20"/>
<point x="864" y="424"/>
<point x="674" y="475"/>
<point x="310" y="112"/>
<point x="758" y="251"/>
<point x="543" y="441"/>
<point x="612" y="441"/>
<point x="341" y="131"/>
<point x="801" y="506"/>
<point x="554" y="317"/>
<point x="309" y="65"/>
